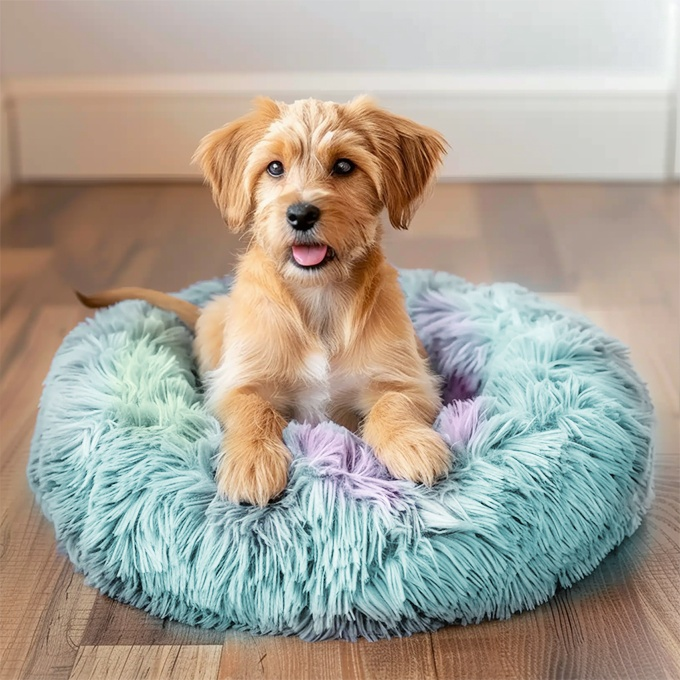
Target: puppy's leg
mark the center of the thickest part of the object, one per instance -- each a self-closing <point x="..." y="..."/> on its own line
<point x="399" y="428"/>
<point x="254" y="461"/>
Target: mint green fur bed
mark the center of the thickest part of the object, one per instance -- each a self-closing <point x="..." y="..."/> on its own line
<point x="548" y="425"/>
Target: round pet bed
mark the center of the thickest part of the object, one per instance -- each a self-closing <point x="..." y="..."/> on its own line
<point x="550" y="434"/>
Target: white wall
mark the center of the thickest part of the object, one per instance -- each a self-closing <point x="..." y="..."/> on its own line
<point x="523" y="89"/>
<point x="675" y="114"/>
<point x="129" y="37"/>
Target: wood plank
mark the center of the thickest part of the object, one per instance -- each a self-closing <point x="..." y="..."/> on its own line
<point x="652" y="332"/>
<point x="614" y="243"/>
<point x="520" y="247"/>
<point x="568" y="300"/>
<point x="409" y="658"/>
<point x="27" y="215"/>
<point x="59" y="631"/>
<point x="30" y="567"/>
<point x="665" y="199"/>
<point x="195" y="244"/>
<point x="132" y="662"/>
<point x="598" y="629"/>
<point x="19" y="267"/>
<point x="21" y="386"/>
<point x="31" y="571"/>
<point x="15" y="326"/>
<point x="101" y="230"/>
<point x="247" y="656"/>
<point x="22" y="263"/>
<point x="51" y="287"/>
<point x="20" y="389"/>
<point x="465" y="257"/>
<point x="115" y="623"/>
<point x="452" y="211"/>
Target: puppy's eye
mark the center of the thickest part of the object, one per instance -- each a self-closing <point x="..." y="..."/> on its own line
<point x="343" y="167"/>
<point x="275" y="168"/>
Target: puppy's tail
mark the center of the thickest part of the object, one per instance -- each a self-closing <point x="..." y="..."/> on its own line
<point x="187" y="312"/>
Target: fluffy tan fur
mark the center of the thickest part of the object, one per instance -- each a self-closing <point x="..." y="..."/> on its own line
<point x="333" y="342"/>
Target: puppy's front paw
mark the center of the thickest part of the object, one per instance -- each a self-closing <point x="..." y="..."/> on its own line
<point x="410" y="451"/>
<point x="253" y="471"/>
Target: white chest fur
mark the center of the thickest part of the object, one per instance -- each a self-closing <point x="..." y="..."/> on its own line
<point x="324" y="388"/>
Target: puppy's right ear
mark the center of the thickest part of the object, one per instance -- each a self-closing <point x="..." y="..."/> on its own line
<point x="223" y="156"/>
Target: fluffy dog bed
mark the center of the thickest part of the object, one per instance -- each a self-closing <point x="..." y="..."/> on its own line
<point x="549" y="429"/>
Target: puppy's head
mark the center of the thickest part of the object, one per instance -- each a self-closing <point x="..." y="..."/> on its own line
<point x="311" y="178"/>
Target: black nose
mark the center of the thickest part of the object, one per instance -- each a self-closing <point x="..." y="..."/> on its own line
<point x="302" y="216"/>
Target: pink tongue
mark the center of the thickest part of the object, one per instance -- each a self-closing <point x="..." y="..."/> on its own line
<point x="308" y="256"/>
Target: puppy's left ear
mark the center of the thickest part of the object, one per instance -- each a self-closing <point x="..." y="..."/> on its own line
<point x="223" y="157"/>
<point x="409" y="155"/>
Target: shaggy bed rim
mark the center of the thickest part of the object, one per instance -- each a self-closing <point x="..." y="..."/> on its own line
<point x="550" y="432"/>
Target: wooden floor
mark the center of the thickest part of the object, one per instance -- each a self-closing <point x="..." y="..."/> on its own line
<point x="611" y="251"/>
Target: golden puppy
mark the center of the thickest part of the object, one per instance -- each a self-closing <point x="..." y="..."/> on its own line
<point x="315" y="326"/>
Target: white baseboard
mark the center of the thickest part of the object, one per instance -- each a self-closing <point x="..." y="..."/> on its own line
<point x="520" y="128"/>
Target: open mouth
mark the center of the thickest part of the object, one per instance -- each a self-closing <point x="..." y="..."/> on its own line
<point x="311" y="256"/>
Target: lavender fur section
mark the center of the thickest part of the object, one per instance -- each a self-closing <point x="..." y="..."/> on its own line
<point x="458" y="347"/>
<point x="459" y="420"/>
<point x="349" y="464"/>
<point x="345" y="461"/>
<point x="548" y="424"/>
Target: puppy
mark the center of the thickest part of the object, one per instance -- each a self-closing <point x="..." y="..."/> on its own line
<point x="315" y="326"/>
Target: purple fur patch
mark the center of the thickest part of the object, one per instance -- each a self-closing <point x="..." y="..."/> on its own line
<point x="344" y="458"/>
<point x="457" y="346"/>
<point x="459" y="420"/>
<point x="459" y="388"/>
